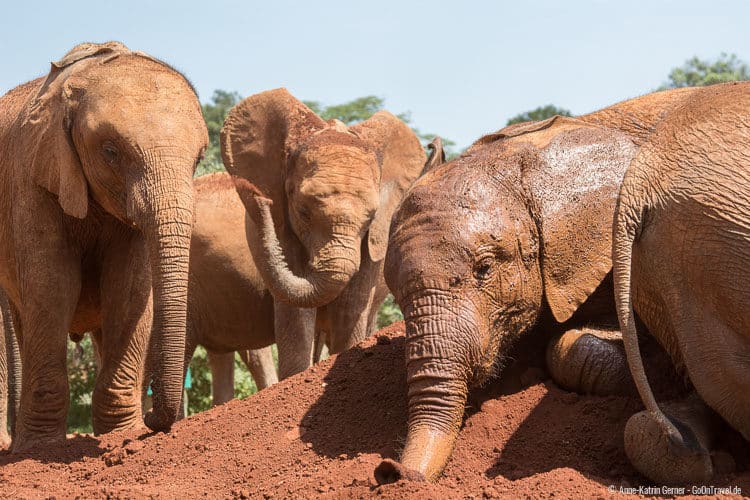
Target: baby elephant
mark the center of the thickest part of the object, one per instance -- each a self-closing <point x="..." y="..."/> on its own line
<point x="681" y="261"/>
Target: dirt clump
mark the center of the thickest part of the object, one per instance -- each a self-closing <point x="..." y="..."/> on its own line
<point x="323" y="432"/>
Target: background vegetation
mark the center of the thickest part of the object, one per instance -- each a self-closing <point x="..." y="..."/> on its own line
<point x="81" y="364"/>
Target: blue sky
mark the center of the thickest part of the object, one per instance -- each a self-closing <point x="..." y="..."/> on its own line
<point x="461" y="68"/>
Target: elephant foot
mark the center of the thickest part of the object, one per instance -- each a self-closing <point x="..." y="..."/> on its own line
<point x="672" y="458"/>
<point x="4" y="440"/>
<point x="590" y="361"/>
<point x="389" y="471"/>
<point x="23" y="444"/>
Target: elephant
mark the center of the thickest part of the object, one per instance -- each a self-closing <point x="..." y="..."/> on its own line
<point x="229" y="306"/>
<point x="511" y="239"/>
<point x="679" y="251"/>
<point x="319" y="197"/>
<point x="96" y="205"/>
<point x="10" y="373"/>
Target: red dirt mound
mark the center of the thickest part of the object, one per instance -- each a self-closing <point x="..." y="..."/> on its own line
<point x="322" y="432"/>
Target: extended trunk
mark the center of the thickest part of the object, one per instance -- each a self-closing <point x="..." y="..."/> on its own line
<point x="332" y="267"/>
<point x="169" y="250"/>
<point x="437" y="372"/>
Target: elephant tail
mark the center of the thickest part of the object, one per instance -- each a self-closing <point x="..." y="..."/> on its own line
<point x="628" y="224"/>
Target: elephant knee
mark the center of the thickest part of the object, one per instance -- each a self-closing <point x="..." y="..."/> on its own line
<point x="589" y="362"/>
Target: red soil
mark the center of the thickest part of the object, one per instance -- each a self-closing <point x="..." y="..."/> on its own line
<point x="322" y="432"/>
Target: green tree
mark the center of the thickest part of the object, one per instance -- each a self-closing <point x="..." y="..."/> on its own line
<point x="540" y="113"/>
<point x="700" y="72"/>
<point x="81" y="378"/>
<point x="214" y="113"/>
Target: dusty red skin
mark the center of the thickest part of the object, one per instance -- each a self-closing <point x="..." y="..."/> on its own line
<point x="301" y="438"/>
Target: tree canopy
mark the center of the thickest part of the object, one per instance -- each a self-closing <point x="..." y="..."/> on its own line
<point x="540" y="113"/>
<point x="700" y="72"/>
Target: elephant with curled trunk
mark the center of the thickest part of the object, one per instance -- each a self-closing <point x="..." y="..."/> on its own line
<point x="96" y="205"/>
<point x="320" y="197"/>
<point x="512" y="238"/>
<point x="682" y="263"/>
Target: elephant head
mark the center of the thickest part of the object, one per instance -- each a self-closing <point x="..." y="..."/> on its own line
<point x="316" y="190"/>
<point x="481" y="248"/>
<point x="116" y="131"/>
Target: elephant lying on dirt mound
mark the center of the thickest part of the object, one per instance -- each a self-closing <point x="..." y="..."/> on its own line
<point x="229" y="307"/>
<point x="96" y="204"/>
<point x="682" y="229"/>
<point x="320" y="198"/>
<point x="513" y="237"/>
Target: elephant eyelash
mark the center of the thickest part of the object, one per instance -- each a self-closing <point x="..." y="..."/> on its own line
<point x="110" y="153"/>
<point x="483" y="267"/>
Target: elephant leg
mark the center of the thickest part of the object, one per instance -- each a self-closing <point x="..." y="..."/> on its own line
<point x="294" y="328"/>
<point x="43" y="332"/>
<point x="190" y="345"/>
<point x="4" y="374"/>
<point x="261" y="365"/>
<point x="222" y="376"/>
<point x="351" y="312"/>
<point x="590" y="361"/>
<point x="127" y="312"/>
<point x="14" y="365"/>
<point x="669" y="459"/>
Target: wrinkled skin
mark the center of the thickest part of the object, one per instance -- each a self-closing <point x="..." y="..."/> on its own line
<point x="229" y="307"/>
<point x="10" y="373"/>
<point x="512" y="238"/>
<point x="680" y="244"/>
<point x="320" y="197"/>
<point x="98" y="159"/>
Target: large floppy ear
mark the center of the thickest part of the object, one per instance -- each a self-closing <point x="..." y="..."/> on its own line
<point x="46" y="130"/>
<point x="574" y="183"/>
<point x="257" y="136"/>
<point x="402" y="158"/>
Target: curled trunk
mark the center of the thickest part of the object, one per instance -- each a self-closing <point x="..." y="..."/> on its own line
<point x="332" y="267"/>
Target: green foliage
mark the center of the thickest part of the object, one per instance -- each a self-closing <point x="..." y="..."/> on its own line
<point x="199" y="394"/>
<point x="389" y="312"/>
<point x="698" y="72"/>
<point x="214" y="113"/>
<point x="540" y="113"/>
<point x="82" y="378"/>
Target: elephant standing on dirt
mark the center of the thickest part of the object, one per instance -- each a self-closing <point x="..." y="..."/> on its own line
<point x="511" y="238"/>
<point x="229" y="307"/>
<point x="681" y="255"/>
<point x="96" y="205"/>
<point x="320" y="197"/>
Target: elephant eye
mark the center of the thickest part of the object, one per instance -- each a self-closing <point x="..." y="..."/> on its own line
<point x="304" y="214"/>
<point x="110" y="153"/>
<point x="483" y="267"/>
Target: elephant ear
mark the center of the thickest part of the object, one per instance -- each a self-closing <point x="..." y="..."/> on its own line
<point x="258" y="135"/>
<point x="515" y="130"/>
<point x="46" y="129"/>
<point x="574" y="182"/>
<point x="402" y="158"/>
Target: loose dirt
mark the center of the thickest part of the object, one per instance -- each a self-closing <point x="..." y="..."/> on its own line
<point x="322" y="432"/>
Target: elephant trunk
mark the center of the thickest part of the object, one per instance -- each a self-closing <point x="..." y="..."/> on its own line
<point x="168" y="224"/>
<point x="438" y="368"/>
<point x="331" y="269"/>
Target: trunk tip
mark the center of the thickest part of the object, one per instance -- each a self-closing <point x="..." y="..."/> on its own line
<point x="389" y="471"/>
<point x="158" y="422"/>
